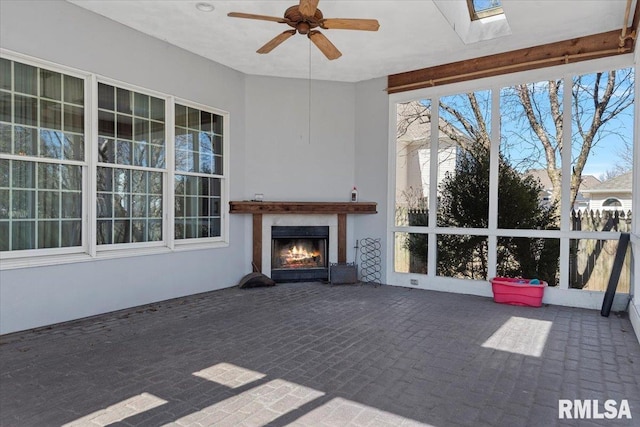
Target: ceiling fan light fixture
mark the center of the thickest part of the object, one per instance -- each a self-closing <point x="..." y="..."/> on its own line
<point x="205" y="7"/>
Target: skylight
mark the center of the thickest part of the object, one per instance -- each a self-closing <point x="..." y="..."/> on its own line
<point x="479" y="9"/>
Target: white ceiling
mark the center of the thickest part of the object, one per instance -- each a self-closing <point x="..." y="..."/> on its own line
<point x="413" y="33"/>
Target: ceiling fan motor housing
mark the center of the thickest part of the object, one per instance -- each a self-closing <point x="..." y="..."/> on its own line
<point x="303" y="24"/>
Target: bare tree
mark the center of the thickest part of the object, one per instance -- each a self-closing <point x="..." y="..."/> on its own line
<point x="536" y="110"/>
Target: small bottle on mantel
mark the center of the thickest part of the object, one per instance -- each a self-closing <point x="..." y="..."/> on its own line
<point x="354" y="194"/>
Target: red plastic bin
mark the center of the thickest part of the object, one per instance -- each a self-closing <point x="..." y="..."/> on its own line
<point x="517" y="291"/>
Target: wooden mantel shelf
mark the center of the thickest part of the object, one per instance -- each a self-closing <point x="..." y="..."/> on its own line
<point x="302" y="208"/>
<point x="341" y="209"/>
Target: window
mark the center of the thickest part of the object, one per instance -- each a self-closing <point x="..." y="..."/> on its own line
<point x="479" y="9"/>
<point x="484" y="191"/>
<point x="199" y="173"/>
<point x="612" y="203"/>
<point x="41" y="158"/>
<point x="131" y="166"/>
<point x="52" y="169"/>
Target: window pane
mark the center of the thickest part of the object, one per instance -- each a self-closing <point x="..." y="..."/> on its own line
<point x="23" y="235"/>
<point x="73" y="90"/>
<point x="71" y="205"/>
<point x="5" y="106"/>
<point x="141" y="105"/>
<point x="71" y="234"/>
<point x="50" y="85"/>
<point x="462" y="256"/>
<point x="26" y="141"/>
<point x="73" y="147"/>
<point x="4" y="204"/>
<point x="5" y="236"/>
<point x="530" y="178"/>
<point x="125" y="194"/>
<point x="48" y="234"/>
<point x="51" y="144"/>
<point x="591" y="262"/>
<point x="106" y="97"/>
<point x="23" y="174"/>
<point x="529" y="258"/>
<point x="5" y="74"/>
<point x="157" y="109"/>
<point x="413" y="162"/>
<point x="196" y="211"/>
<point x="464" y="142"/>
<point x="602" y="147"/>
<point x="410" y="254"/>
<point x="48" y="175"/>
<point x="123" y="97"/>
<point x="106" y="124"/>
<point x="5" y="138"/>
<point x="26" y="110"/>
<point x="73" y="119"/>
<point x="24" y="204"/>
<point x="34" y="200"/>
<point x="125" y="127"/>
<point x="26" y="79"/>
<point x="106" y="150"/>
<point x="129" y="206"/>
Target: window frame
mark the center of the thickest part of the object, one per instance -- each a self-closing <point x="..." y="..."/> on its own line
<point x="564" y="234"/>
<point x="224" y="178"/>
<point x="89" y="250"/>
<point x="164" y="242"/>
<point x="485" y="13"/>
<point x="8" y="256"/>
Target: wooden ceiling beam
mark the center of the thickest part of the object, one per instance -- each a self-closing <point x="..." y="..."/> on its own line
<point x="558" y="53"/>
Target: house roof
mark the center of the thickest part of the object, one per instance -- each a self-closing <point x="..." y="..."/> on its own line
<point x="621" y="184"/>
<point x="588" y="181"/>
<point x="412" y="35"/>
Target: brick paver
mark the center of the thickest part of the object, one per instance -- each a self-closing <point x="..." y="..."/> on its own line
<point x="311" y="354"/>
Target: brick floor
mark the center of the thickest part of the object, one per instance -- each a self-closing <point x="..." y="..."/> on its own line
<point x="311" y="354"/>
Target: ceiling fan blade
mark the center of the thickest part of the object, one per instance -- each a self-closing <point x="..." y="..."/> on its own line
<point x="259" y="17"/>
<point x="275" y="42"/>
<point x="350" y="24"/>
<point x="308" y="7"/>
<point x="323" y="43"/>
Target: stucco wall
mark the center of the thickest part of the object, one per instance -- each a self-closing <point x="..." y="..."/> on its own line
<point x="65" y="34"/>
<point x="276" y="148"/>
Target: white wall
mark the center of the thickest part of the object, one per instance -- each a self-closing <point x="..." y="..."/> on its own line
<point x="274" y="149"/>
<point x="65" y="34"/>
<point x="282" y="161"/>
<point x="371" y="165"/>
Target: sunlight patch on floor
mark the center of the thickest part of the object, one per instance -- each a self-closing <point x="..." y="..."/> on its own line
<point x="229" y="375"/>
<point x="521" y="335"/>
<point x="344" y="412"/>
<point x="255" y="407"/>
<point x="127" y="408"/>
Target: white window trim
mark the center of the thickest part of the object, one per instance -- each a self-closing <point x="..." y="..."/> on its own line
<point x="10" y="258"/>
<point x="89" y="249"/>
<point x="223" y="239"/>
<point x="579" y="297"/>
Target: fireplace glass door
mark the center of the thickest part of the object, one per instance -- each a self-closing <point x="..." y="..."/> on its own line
<point x="299" y="253"/>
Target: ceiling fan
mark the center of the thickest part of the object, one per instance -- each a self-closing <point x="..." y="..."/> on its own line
<point x="304" y="18"/>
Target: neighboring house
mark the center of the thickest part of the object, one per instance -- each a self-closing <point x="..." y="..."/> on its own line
<point x="582" y="198"/>
<point x="413" y="155"/>
<point x="612" y="194"/>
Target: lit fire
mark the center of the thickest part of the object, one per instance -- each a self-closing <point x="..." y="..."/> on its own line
<point x="300" y="257"/>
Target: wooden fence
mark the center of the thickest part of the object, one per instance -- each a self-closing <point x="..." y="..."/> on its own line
<point x="590" y="260"/>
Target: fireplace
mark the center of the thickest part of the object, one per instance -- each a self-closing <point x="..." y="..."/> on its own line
<point x="299" y="253"/>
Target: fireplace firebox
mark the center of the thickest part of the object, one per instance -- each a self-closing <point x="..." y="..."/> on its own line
<point x="299" y="253"/>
